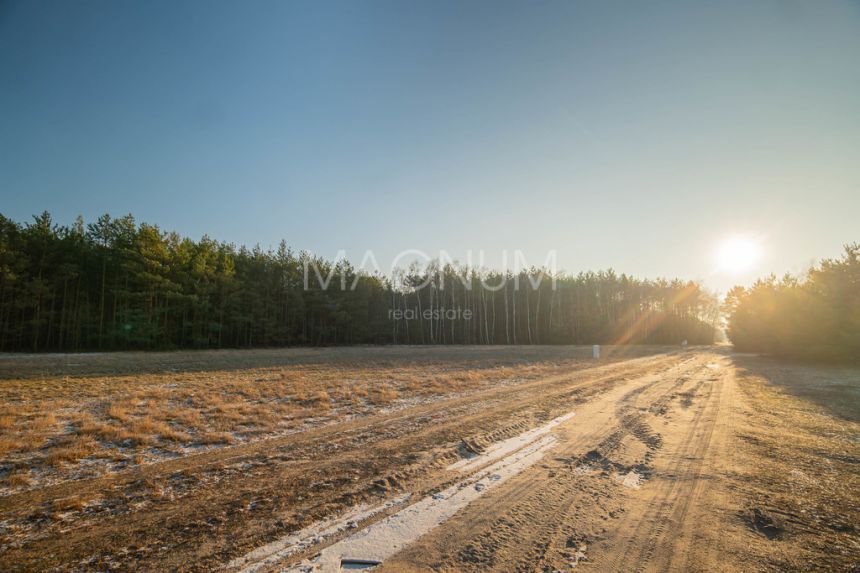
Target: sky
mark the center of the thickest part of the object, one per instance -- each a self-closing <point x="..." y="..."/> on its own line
<point x="617" y="134"/>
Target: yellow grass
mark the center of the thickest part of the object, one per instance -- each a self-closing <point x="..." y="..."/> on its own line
<point x="18" y="479"/>
<point x="73" y="450"/>
<point x="58" y="420"/>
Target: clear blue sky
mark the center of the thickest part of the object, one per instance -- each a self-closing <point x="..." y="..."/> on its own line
<point x="619" y="134"/>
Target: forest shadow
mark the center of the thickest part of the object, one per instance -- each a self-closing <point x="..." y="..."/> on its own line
<point x="835" y="388"/>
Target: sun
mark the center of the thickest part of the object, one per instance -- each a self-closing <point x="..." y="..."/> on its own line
<point x="738" y="254"/>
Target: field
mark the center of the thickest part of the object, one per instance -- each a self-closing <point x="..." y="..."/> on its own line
<point x="428" y="458"/>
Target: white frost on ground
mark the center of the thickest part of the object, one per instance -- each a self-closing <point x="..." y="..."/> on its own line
<point x="631" y="479"/>
<point x="388" y="536"/>
<point x="505" y="447"/>
<point x="383" y="539"/>
<point x="301" y="540"/>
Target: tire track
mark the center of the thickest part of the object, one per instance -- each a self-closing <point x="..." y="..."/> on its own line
<point x="669" y="500"/>
<point x="531" y="525"/>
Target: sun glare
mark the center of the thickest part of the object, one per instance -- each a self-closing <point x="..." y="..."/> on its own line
<point x="738" y="254"/>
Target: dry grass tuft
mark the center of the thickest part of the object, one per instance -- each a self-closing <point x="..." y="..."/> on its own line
<point x="18" y="478"/>
<point x="43" y="422"/>
<point x="118" y="413"/>
<point x="73" y="450"/>
<point x="73" y="503"/>
<point x="217" y="438"/>
<point x="383" y="395"/>
<point x="8" y="445"/>
<point x="319" y="399"/>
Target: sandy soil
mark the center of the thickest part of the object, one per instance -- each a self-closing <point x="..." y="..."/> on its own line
<point x="659" y="461"/>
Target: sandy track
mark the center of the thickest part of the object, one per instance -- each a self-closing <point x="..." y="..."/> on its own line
<point x="648" y="464"/>
<point x="548" y="515"/>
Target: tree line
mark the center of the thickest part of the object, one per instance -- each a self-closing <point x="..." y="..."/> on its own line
<point x="816" y="316"/>
<point x="116" y="284"/>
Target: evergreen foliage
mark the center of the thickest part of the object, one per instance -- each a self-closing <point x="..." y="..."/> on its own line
<point x="813" y="317"/>
<point x="115" y="284"/>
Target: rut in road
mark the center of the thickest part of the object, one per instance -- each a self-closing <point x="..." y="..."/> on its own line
<point x="573" y="506"/>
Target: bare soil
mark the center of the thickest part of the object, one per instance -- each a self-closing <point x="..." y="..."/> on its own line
<point x="650" y="459"/>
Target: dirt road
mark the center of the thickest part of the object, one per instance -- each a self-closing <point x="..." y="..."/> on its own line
<point x="678" y="461"/>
